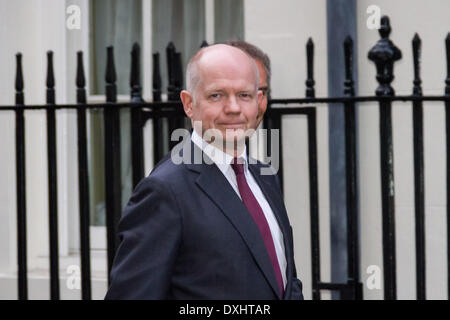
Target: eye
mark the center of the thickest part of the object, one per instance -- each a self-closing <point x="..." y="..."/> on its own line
<point x="215" y="96"/>
<point x="245" y="95"/>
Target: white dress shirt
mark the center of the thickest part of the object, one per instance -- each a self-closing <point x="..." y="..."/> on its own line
<point x="222" y="161"/>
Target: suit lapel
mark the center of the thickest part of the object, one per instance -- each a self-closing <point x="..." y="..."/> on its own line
<point x="216" y="186"/>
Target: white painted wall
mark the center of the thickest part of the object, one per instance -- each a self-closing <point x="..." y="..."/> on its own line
<point x="430" y="20"/>
<point x="33" y="28"/>
<point x="280" y="28"/>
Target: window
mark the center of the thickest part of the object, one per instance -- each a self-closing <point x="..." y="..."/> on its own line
<point x="117" y="23"/>
<point x="120" y="23"/>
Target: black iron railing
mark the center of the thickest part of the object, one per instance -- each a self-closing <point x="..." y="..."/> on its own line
<point x="383" y="54"/>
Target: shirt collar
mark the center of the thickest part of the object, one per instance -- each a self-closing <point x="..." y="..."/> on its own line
<point x="220" y="158"/>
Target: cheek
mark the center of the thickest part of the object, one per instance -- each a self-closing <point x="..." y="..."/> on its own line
<point x="252" y="111"/>
<point x="210" y="113"/>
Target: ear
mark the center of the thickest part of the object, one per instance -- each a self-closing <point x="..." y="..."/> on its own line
<point x="259" y="98"/>
<point x="188" y="100"/>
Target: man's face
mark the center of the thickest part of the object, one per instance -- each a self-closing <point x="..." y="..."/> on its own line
<point x="264" y="87"/>
<point x="226" y="96"/>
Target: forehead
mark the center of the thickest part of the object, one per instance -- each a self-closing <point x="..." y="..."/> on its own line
<point x="225" y="67"/>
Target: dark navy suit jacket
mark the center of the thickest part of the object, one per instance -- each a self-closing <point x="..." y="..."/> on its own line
<point x="186" y="234"/>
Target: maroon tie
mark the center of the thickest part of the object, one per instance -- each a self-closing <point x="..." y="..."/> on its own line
<point x="258" y="216"/>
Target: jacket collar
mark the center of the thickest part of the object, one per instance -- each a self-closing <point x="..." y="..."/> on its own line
<point x="217" y="188"/>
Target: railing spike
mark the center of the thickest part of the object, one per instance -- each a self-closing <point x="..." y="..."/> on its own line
<point x="156" y="78"/>
<point x="19" y="80"/>
<point x="80" y="79"/>
<point x="136" y="90"/>
<point x="310" y="92"/>
<point x="110" y="76"/>
<point x="50" y="74"/>
<point x="416" y="46"/>
<point x="50" y="79"/>
<point x="19" y="73"/>
<point x="447" y="81"/>
<point x="170" y="55"/>
<point x="384" y="53"/>
<point x="348" y="55"/>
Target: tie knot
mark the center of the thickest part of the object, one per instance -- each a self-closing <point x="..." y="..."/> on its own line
<point x="237" y="165"/>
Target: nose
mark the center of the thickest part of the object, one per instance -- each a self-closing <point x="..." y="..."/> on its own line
<point x="232" y="105"/>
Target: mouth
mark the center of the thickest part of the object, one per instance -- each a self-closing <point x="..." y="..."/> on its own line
<point x="238" y="125"/>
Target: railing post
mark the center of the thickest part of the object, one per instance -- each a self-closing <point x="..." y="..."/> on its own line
<point x="384" y="54"/>
<point x="83" y="181"/>
<point x="175" y="71"/>
<point x="314" y="190"/>
<point x="177" y="121"/>
<point x="137" y="137"/>
<point x="52" y="180"/>
<point x="112" y="160"/>
<point x="22" y="281"/>
<point x="419" y="187"/>
<point x="170" y="55"/>
<point x="447" y="124"/>
<point x="158" y="145"/>
<point x="314" y="202"/>
<point x="354" y="291"/>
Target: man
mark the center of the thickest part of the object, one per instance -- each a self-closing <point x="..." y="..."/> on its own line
<point x="214" y="230"/>
<point x="263" y="63"/>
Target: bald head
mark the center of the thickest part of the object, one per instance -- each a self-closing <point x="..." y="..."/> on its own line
<point x="207" y="58"/>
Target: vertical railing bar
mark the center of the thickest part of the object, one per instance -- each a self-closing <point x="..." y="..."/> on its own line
<point x="419" y="187"/>
<point x="171" y="96"/>
<point x="178" y="87"/>
<point x="176" y="120"/>
<point x="157" y="121"/>
<point x="384" y="54"/>
<point x="388" y="206"/>
<point x="52" y="180"/>
<point x="314" y="203"/>
<point x="83" y="181"/>
<point x="112" y="161"/>
<point x="354" y="284"/>
<point x="22" y="280"/>
<point x="170" y="58"/>
<point x="447" y="124"/>
<point x="137" y="137"/>
<point x="312" y="147"/>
